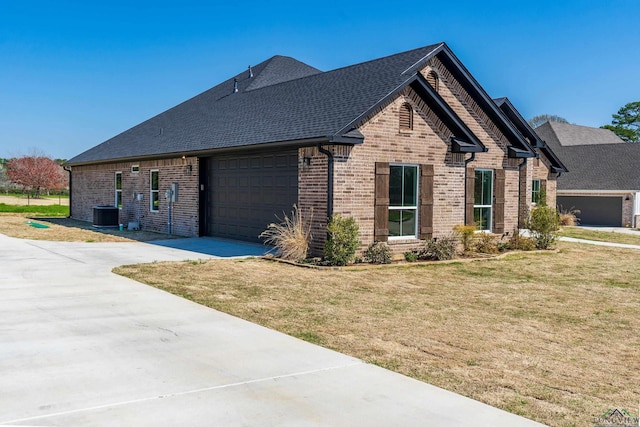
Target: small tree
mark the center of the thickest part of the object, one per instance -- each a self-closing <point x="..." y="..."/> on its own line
<point x="342" y="242"/>
<point x="543" y="224"/>
<point x="36" y="172"/>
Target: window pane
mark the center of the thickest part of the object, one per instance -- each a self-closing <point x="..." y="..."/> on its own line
<point x="118" y="181"/>
<point x="487" y="187"/>
<point x="535" y="191"/>
<point x="408" y="222"/>
<point x="410" y="186"/>
<point x="395" y="223"/>
<point x="395" y="186"/>
<point x="482" y="217"/>
<point x="154" y="180"/>
<point x="155" y="202"/>
<point x="119" y="199"/>
<point x="483" y="187"/>
<point x="402" y="222"/>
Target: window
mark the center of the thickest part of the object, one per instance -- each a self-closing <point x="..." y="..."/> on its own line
<point x="535" y="191"/>
<point x="135" y="169"/>
<point x="118" y="203"/>
<point x="155" y="191"/>
<point x="406" y="117"/>
<point x="483" y="196"/>
<point x="403" y="201"/>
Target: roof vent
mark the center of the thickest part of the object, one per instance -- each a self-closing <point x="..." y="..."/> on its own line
<point x="235" y="85"/>
<point x="250" y="72"/>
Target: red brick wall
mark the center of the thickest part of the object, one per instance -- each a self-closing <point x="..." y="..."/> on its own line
<point x="95" y="185"/>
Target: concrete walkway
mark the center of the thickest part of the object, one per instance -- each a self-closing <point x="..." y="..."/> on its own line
<point x="80" y="346"/>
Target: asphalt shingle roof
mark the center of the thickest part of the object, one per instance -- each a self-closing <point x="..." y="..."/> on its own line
<point x="607" y="166"/>
<point x="286" y="100"/>
<point x="567" y="134"/>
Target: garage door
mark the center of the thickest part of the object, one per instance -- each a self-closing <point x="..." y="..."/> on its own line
<point x="605" y="211"/>
<point x="244" y="193"/>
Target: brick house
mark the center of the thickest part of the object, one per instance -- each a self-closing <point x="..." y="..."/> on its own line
<point x="410" y="145"/>
<point x="604" y="183"/>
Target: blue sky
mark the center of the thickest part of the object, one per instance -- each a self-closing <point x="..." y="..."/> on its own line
<point x="75" y="73"/>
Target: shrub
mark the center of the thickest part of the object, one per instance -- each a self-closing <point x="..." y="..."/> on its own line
<point x="411" y="256"/>
<point x="487" y="243"/>
<point x="439" y="249"/>
<point x="467" y="234"/>
<point x="518" y="242"/>
<point x="342" y="242"/>
<point x="569" y="217"/>
<point x="290" y="237"/>
<point x="543" y="224"/>
<point x="378" y="253"/>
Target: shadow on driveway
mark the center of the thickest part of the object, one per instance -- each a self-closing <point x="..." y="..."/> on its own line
<point x="215" y="246"/>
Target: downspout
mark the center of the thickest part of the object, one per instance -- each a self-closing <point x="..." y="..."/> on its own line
<point x="466" y="162"/>
<point x="68" y="169"/>
<point x="329" y="155"/>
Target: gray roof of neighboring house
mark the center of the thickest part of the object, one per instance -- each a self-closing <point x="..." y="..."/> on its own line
<point x="567" y="134"/>
<point x="604" y="167"/>
<point x="285" y="102"/>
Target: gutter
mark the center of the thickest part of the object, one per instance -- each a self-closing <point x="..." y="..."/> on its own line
<point x="68" y="169"/>
<point x="466" y="162"/>
<point x="329" y="155"/>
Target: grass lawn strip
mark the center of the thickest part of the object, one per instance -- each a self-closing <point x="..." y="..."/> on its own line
<point x="550" y="336"/>
<point x="601" y="236"/>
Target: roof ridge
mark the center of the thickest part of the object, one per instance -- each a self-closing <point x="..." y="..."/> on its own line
<point x="415" y="64"/>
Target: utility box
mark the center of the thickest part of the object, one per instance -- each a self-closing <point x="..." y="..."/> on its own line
<point x="174" y="192"/>
<point x="106" y="216"/>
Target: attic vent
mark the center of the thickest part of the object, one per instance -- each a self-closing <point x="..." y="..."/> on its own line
<point x="250" y="72"/>
<point x="406" y="117"/>
<point x="235" y="85"/>
<point x="433" y="80"/>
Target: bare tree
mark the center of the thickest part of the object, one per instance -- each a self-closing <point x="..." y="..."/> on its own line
<point x="538" y="120"/>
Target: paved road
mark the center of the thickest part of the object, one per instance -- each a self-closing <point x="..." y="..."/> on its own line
<point x="80" y="346"/>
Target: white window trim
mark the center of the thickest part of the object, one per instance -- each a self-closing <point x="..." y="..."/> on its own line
<point x="415" y="208"/>
<point x="493" y="177"/>
<point x="151" y="190"/>
<point x="532" y="191"/>
<point x="115" y="184"/>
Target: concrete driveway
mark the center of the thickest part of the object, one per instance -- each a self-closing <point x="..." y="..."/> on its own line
<point x="81" y="346"/>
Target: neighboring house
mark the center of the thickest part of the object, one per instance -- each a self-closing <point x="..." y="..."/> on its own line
<point x="604" y="183"/>
<point x="410" y="145"/>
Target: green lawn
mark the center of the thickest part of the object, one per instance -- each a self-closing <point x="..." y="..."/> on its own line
<point x="48" y="210"/>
